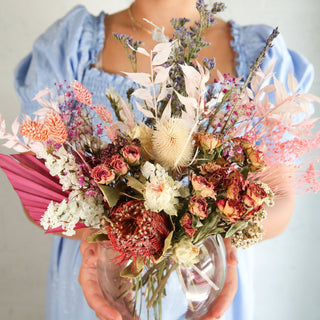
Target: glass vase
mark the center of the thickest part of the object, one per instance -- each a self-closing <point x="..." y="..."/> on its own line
<point x="188" y="292"/>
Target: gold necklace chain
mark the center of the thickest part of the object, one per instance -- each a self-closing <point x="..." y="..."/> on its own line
<point x="136" y="23"/>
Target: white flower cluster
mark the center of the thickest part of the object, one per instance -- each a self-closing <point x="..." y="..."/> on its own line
<point x="252" y="234"/>
<point x="161" y="190"/>
<point x="62" y="164"/>
<point x="79" y="207"/>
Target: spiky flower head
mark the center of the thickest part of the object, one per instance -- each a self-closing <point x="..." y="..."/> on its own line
<point x="172" y="146"/>
<point x="137" y="232"/>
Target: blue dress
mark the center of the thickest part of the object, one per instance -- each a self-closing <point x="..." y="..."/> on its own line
<point x="66" y="51"/>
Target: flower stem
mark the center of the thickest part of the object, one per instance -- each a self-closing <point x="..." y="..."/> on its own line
<point x="161" y="285"/>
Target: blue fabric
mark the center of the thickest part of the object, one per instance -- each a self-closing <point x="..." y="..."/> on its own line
<point x="65" y="52"/>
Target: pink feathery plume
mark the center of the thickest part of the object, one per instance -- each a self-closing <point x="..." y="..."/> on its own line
<point x="34" y="185"/>
<point x="278" y="177"/>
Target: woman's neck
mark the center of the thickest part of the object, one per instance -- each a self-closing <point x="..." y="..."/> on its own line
<point x="160" y="12"/>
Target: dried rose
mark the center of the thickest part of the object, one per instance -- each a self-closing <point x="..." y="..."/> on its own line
<point x="256" y="159"/>
<point x="186" y="223"/>
<point x="235" y="185"/>
<point x="256" y="193"/>
<point x="131" y="154"/>
<point x="254" y="155"/>
<point x="217" y="177"/>
<point x="117" y="163"/>
<point x="209" y="167"/>
<point x="203" y="187"/>
<point x="102" y="174"/>
<point x="207" y="141"/>
<point x="231" y="209"/>
<point x="247" y="201"/>
<point x="198" y="206"/>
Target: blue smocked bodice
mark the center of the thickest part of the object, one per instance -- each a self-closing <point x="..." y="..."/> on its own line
<point x="66" y="51"/>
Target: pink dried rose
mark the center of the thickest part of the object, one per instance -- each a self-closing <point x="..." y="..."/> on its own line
<point x="131" y="154"/>
<point x="235" y="185"/>
<point x="118" y="164"/>
<point x="231" y="209"/>
<point x="254" y="155"/>
<point x="198" y="206"/>
<point x="102" y="174"/>
<point x="256" y="193"/>
<point x="203" y="187"/>
<point x="217" y="177"/>
<point x="250" y="213"/>
<point x="249" y="202"/>
<point x="256" y="159"/>
<point x="207" y="141"/>
<point x="186" y="223"/>
<point x="208" y="168"/>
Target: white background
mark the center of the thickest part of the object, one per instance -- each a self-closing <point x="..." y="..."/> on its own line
<point x="287" y="268"/>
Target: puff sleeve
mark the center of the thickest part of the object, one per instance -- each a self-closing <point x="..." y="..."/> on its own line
<point x="57" y="55"/>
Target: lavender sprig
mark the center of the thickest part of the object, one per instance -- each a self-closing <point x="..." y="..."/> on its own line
<point x="130" y="48"/>
<point x="253" y="69"/>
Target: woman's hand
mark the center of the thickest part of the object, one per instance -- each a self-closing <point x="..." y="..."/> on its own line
<point x="224" y="300"/>
<point x="88" y="278"/>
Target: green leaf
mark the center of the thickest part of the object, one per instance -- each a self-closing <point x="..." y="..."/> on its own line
<point x="112" y="195"/>
<point x="133" y="270"/>
<point x="219" y="230"/>
<point x="135" y="184"/>
<point x="245" y="171"/>
<point x="212" y="220"/>
<point x="99" y="236"/>
<point x="196" y="222"/>
<point x="240" y="225"/>
<point x="167" y="241"/>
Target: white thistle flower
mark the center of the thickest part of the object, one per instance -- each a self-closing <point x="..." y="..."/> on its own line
<point x="171" y="141"/>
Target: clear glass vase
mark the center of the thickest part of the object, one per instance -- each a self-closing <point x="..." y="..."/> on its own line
<point x="188" y="293"/>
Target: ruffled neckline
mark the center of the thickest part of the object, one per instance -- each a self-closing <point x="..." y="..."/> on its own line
<point x="97" y="35"/>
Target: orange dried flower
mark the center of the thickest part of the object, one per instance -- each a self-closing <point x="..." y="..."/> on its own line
<point x="56" y="129"/>
<point x="104" y="114"/>
<point x="35" y="131"/>
<point x="81" y="93"/>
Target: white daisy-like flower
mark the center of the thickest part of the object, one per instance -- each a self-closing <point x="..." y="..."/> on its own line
<point x="161" y="191"/>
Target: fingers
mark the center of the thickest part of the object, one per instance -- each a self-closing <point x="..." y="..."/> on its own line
<point x="231" y="252"/>
<point x="88" y="279"/>
<point x="89" y="253"/>
<point x="229" y="290"/>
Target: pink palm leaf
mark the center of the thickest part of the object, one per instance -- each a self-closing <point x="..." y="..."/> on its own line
<point x="34" y="185"/>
